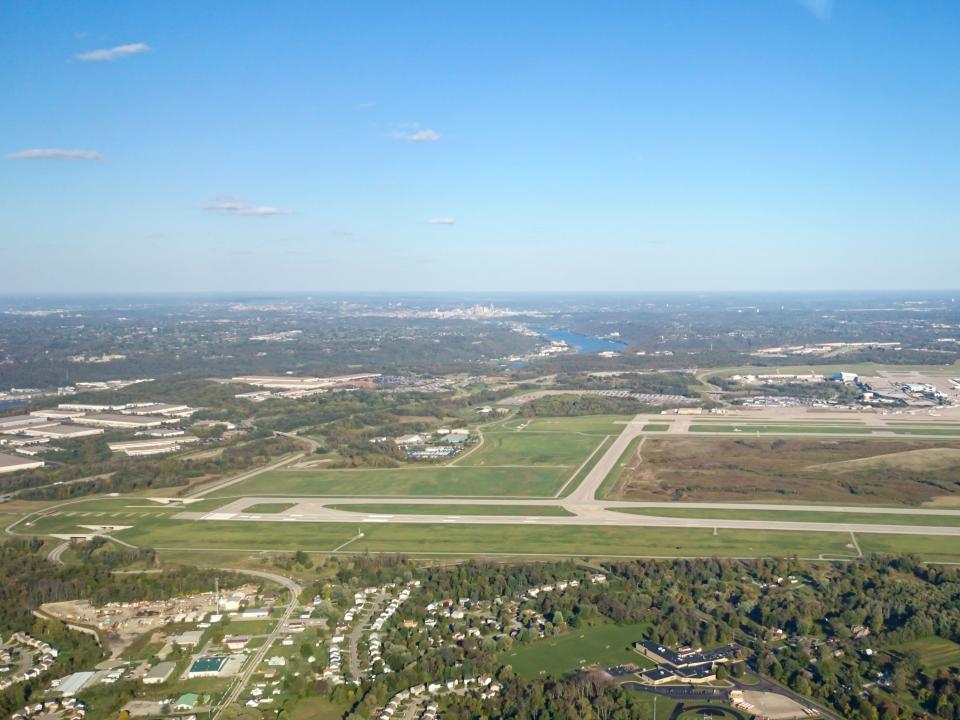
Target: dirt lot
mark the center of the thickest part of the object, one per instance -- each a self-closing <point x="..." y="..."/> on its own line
<point x="878" y="472"/>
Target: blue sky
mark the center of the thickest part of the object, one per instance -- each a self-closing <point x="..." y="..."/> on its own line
<point x="336" y="146"/>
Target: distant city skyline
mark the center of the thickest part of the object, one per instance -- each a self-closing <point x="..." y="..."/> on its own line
<point x="378" y="146"/>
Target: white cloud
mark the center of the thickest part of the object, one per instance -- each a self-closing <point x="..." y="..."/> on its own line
<point x="54" y="154"/>
<point x="113" y="53"/>
<point x="231" y="206"/>
<point x="821" y="9"/>
<point x="417" y="136"/>
<point x="442" y="221"/>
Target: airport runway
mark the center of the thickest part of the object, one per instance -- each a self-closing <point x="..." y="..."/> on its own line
<point x="582" y="505"/>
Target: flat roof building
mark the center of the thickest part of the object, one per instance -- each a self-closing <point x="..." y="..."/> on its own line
<point x="159" y="409"/>
<point x="159" y="673"/>
<point x="189" y="638"/>
<point x="16" y="422"/>
<point x="59" y="431"/>
<point x="206" y="667"/>
<point x="115" y="420"/>
<point x="156" y="446"/>
<point x="13" y="463"/>
<point x="72" y="684"/>
<point x="61" y="414"/>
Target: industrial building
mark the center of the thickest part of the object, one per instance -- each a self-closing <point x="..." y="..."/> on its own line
<point x="159" y="673"/>
<point x="58" y="414"/>
<point x="159" y="409"/>
<point x="156" y="446"/>
<point x="58" y="431"/>
<point x="72" y="684"/>
<point x="126" y="422"/>
<point x="15" y="423"/>
<point x="207" y="667"/>
<point x="13" y="463"/>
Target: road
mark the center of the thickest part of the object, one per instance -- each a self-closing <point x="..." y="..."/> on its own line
<point x="582" y="505"/>
<point x="353" y="640"/>
<point x="56" y="555"/>
<point x="246" y="475"/>
<point x="243" y="679"/>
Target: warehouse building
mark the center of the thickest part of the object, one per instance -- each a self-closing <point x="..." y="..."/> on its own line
<point x="207" y="667"/>
<point x="13" y="463"/>
<point x="126" y="422"/>
<point x="158" y="446"/>
<point x="159" y="673"/>
<point x="58" y="431"/>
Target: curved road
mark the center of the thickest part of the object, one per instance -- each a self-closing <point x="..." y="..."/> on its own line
<point x="243" y="679"/>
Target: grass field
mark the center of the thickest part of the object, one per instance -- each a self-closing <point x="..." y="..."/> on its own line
<point x="463" y="538"/>
<point x="590" y="424"/>
<point x="512" y="510"/>
<point x="268" y="508"/>
<point x="930" y="548"/>
<point x="799" y="516"/>
<point x="935" y="652"/>
<point x="532" y="448"/>
<point x="605" y="644"/>
<point x="436" y="481"/>
<point x="582" y="473"/>
<point x="316" y="708"/>
<point x="656" y="427"/>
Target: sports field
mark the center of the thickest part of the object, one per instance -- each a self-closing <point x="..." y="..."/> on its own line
<point x="935" y="652"/>
<point x="605" y="644"/>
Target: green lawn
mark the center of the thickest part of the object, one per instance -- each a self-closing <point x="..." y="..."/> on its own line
<point x="799" y="516"/>
<point x="935" y="652"/>
<point x="656" y="427"/>
<point x="592" y="424"/>
<point x="466" y="539"/>
<point x="268" y="508"/>
<point x="532" y="448"/>
<point x="315" y="708"/>
<point x="513" y="510"/>
<point x="439" y="481"/>
<point x="598" y="453"/>
<point x="930" y="547"/>
<point x="605" y="644"/>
